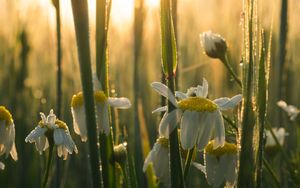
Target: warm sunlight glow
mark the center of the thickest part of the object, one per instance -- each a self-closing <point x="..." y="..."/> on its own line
<point x="152" y="3"/>
<point x="122" y="11"/>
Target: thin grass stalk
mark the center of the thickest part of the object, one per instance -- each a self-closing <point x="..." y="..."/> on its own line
<point x="262" y="105"/>
<point x="246" y="168"/>
<point x="282" y="48"/>
<point x="56" y="4"/>
<point x="169" y="60"/>
<point x="188" y="163"/>
<point x="139" y="17"/>
<point x="49" y="161"/>
<point x="81" y="21"/>
<point x="106" y="142"/>
<point x="272" y="173"/>
<point x="226" y="62"/>
<point x="174" y="19"/>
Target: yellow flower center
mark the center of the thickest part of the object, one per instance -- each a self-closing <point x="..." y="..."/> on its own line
<point x="197" y="104"/>
<point x="5" y="116"/>
<point x="100" y="96"/>
<point x="59" y="123"/>
<point x="77" y="100"/>
<point x="228" y="148"/>
<point x="163" y="141"/>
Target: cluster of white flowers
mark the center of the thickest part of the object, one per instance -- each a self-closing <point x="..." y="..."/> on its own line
<point x="200" y="120"/>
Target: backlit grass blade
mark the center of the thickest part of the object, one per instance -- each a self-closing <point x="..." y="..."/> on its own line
<point x="81" y="21"/>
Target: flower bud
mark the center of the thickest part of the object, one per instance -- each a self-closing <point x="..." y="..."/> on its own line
<point x="120" y="153"/>
<point x="214" y="45"/>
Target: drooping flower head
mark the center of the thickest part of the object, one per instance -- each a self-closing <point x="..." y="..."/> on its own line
<point x="159" y="157"/>
<point x="214" y="45"/>
<point x="7" y="134"/>
<point x="291" y="110"/>
<point x="102" y="103"/>
<point x="51" y="129"/>
<point x="200" y="117"/>
<point x="220" y="165"/>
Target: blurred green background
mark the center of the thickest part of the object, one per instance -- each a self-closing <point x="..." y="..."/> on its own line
<point x="28" y="69"/>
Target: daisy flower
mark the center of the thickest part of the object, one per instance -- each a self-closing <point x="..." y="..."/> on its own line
<point x="292" y="111"/>
<point x="199" y="116"/>
<point x="220" y="165"/>
<point x="280" y="135"/>
<point x="53" y="130"/>
<point x="7" y="134"/>
<point x="214" y="45"/>
<point x="102" y="105"/>
<point x="159" y="157"/>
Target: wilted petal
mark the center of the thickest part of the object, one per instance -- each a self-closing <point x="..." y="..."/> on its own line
<point x="163" y="90"/>
<point x="121" y="103"/>
<point x="211" y="164"/>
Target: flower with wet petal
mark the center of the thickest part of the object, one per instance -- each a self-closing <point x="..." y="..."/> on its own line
<point x="50" y="129"/>
<point x="214" y="45"/>
<point x="291" y="110"/>
<point x="102" y="103"/>
<point x="159" y="157"/>
<point x="199" y="116"/>
<point x="7" y="134"/>
<point x="220" y="165"/>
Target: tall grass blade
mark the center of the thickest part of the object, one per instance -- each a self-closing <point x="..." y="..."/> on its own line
<point x="262" y="105"/>
<point x="139" y="17"/>
<point x="247" y="168"/>
<point x="169" y="61"/>
<point x="56" y="4"/>
<point x="106" y="142"/>
<point x="81" y="21"/>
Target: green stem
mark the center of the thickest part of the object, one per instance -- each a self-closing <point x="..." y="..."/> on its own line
<point x="51" y="147"/>
<point x="106" y="142"/>
<point x="271" y="171"/>
<point x="229" y="68"/>
<point x="80" y="14"/>
<point x="59" y="80"/>
<point x="188" y="163"/>
<point x="125" y="175"/>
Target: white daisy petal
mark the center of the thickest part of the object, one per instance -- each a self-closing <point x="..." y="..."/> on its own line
<point x="2" y="166"/>
<point x="204" y="88"/>
<point x="169" y="122"/>
<point x="79" y="122"/>
<point x="219" y="130"/>
<point x="34" y="134"/>
<point x="121" y="103"/>
<point x="180" y="95"/>
<point x="211" y="164"/>
<point x="160" y="109"/>
<point x="59" y="136"/>
<point x="200" y="167"/>
<point x="282" y="104"/>
<point x="189" y="129"/>
<point x="205" y="132"/>
<point x="225" y="103"/>
<point x="164" y="91"/>
<point x="231" y="173"/>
